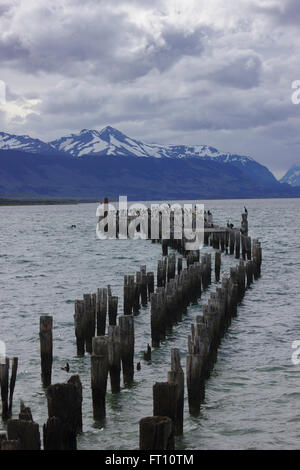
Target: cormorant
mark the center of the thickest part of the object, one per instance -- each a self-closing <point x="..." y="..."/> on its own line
<point x="66" y="368"/>
<point x="246" y="212"/>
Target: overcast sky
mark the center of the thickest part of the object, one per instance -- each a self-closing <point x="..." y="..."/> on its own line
<point x="216" y="72"/>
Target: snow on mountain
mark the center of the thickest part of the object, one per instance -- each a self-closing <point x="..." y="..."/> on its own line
<point x="292" y="176"/>
<point x="110" y="141"/>
<point x="24" y="143"/>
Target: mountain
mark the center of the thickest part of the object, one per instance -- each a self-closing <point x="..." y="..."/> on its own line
<point x="111" y="142"/>
<point x="94" y="163"/>
<point x="292" y="176"/>
<point x="27" y="175"/>
<point x="25" y="143"/>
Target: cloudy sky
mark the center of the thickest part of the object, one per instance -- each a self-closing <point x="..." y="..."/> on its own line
<point x="215" y="72"/>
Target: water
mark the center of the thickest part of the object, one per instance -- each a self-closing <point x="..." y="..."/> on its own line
<point x="252" y="397"/>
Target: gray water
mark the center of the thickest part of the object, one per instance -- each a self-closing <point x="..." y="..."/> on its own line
<point x="253" y="396"/>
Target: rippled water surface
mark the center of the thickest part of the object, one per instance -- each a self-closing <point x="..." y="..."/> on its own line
<point x="253" y="396"/>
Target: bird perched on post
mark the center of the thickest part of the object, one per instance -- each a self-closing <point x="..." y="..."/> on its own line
<point x="246" y="212"/>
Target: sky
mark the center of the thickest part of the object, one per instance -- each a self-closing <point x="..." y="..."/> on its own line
<point x="214" y="72"/>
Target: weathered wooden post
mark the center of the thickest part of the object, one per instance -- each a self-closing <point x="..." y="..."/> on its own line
<point x="150" y="283"/>
<point x="14" y="369"/>
<point x="4" y="382"/>
<point x="179" y="265"/>
<point x="99" y="373"/>
<point x="165" y="400"/>
<point x="101" y="311"/>
<point x="114" y="358"/>
<point x="112" y="310"/>
<point x="217" y="265"/>
<point x="25" y="412"/>
<point x="26" y="432"/>
<point x="156" y="433"/>
<point x="89" y="321"/>
<point x="155" y="321"/>
<point x="53" y="434"/>
<point x="237" y="243"/>
<point x="231" y="241"/>
<point x="144" y="292"/>
<point x="137" y="292"/>
<point x="79" y="326"/>
<point x="3" y="437"/>
<point x="176" y="376"/>
<point x="126" y="324"/>
<point x="65" y="403"/>
<point x="249" y="273"/>
<point x="46" y="348"/>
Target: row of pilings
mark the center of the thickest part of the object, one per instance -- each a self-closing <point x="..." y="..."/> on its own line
<point x="109" y="339"/>
<point x="203" y="343"/>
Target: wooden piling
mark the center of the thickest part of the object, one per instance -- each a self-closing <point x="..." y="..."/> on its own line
<point x="165" y="400"/>
<point x="237" y="243"/>
<point x="150" y="283"/>
<point x="156" y="433"/>
<point x="176" y="376"/>
<point x="14" y="369"/>
<point x="89" y="321"/>
<point x="79" y="327"/>
<point x="144" y="291"/>
<point x="4" y="382"/>
<point x="101" y="311"/>
<point x="53" y="437"/>
<point x="65" y="402"/>
<point x="112" y="310"/>
<point x="25" y="412"/>
<point x="46" y="348"/>
<point x="217" y="265"/>
<point x="126" y="324"/>
<point x="99" y="373"/>
<point x="114" y="358"/>
<point x="26" y="432"/>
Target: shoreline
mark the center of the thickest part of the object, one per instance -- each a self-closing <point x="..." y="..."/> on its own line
<point x="49" y="202"/>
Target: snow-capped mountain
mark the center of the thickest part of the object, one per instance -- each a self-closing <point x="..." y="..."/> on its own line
<point x="110" y="141"/>
<point x="24" y="143"/>
<point x="292" y="176"/>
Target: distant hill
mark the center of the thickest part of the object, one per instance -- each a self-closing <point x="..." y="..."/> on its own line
<point x="31" y="175"/>
<point x="292" y="176"/>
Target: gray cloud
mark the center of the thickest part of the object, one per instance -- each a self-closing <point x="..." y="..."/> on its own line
<point x="192" y="73"/>
<point x="286" y="12"/>
<point x="243" y="72"/>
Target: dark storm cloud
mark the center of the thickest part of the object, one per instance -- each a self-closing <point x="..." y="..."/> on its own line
<point x="287" y="12"/>
<point x="11" y="48"/>
<point x="162" y="70"/>
<point x="243" y="72"/>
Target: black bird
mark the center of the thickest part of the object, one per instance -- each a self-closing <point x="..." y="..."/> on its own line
<point x="138" y="366"/>
<point x="66" y="368"/>
<point x="246" y="212"/>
